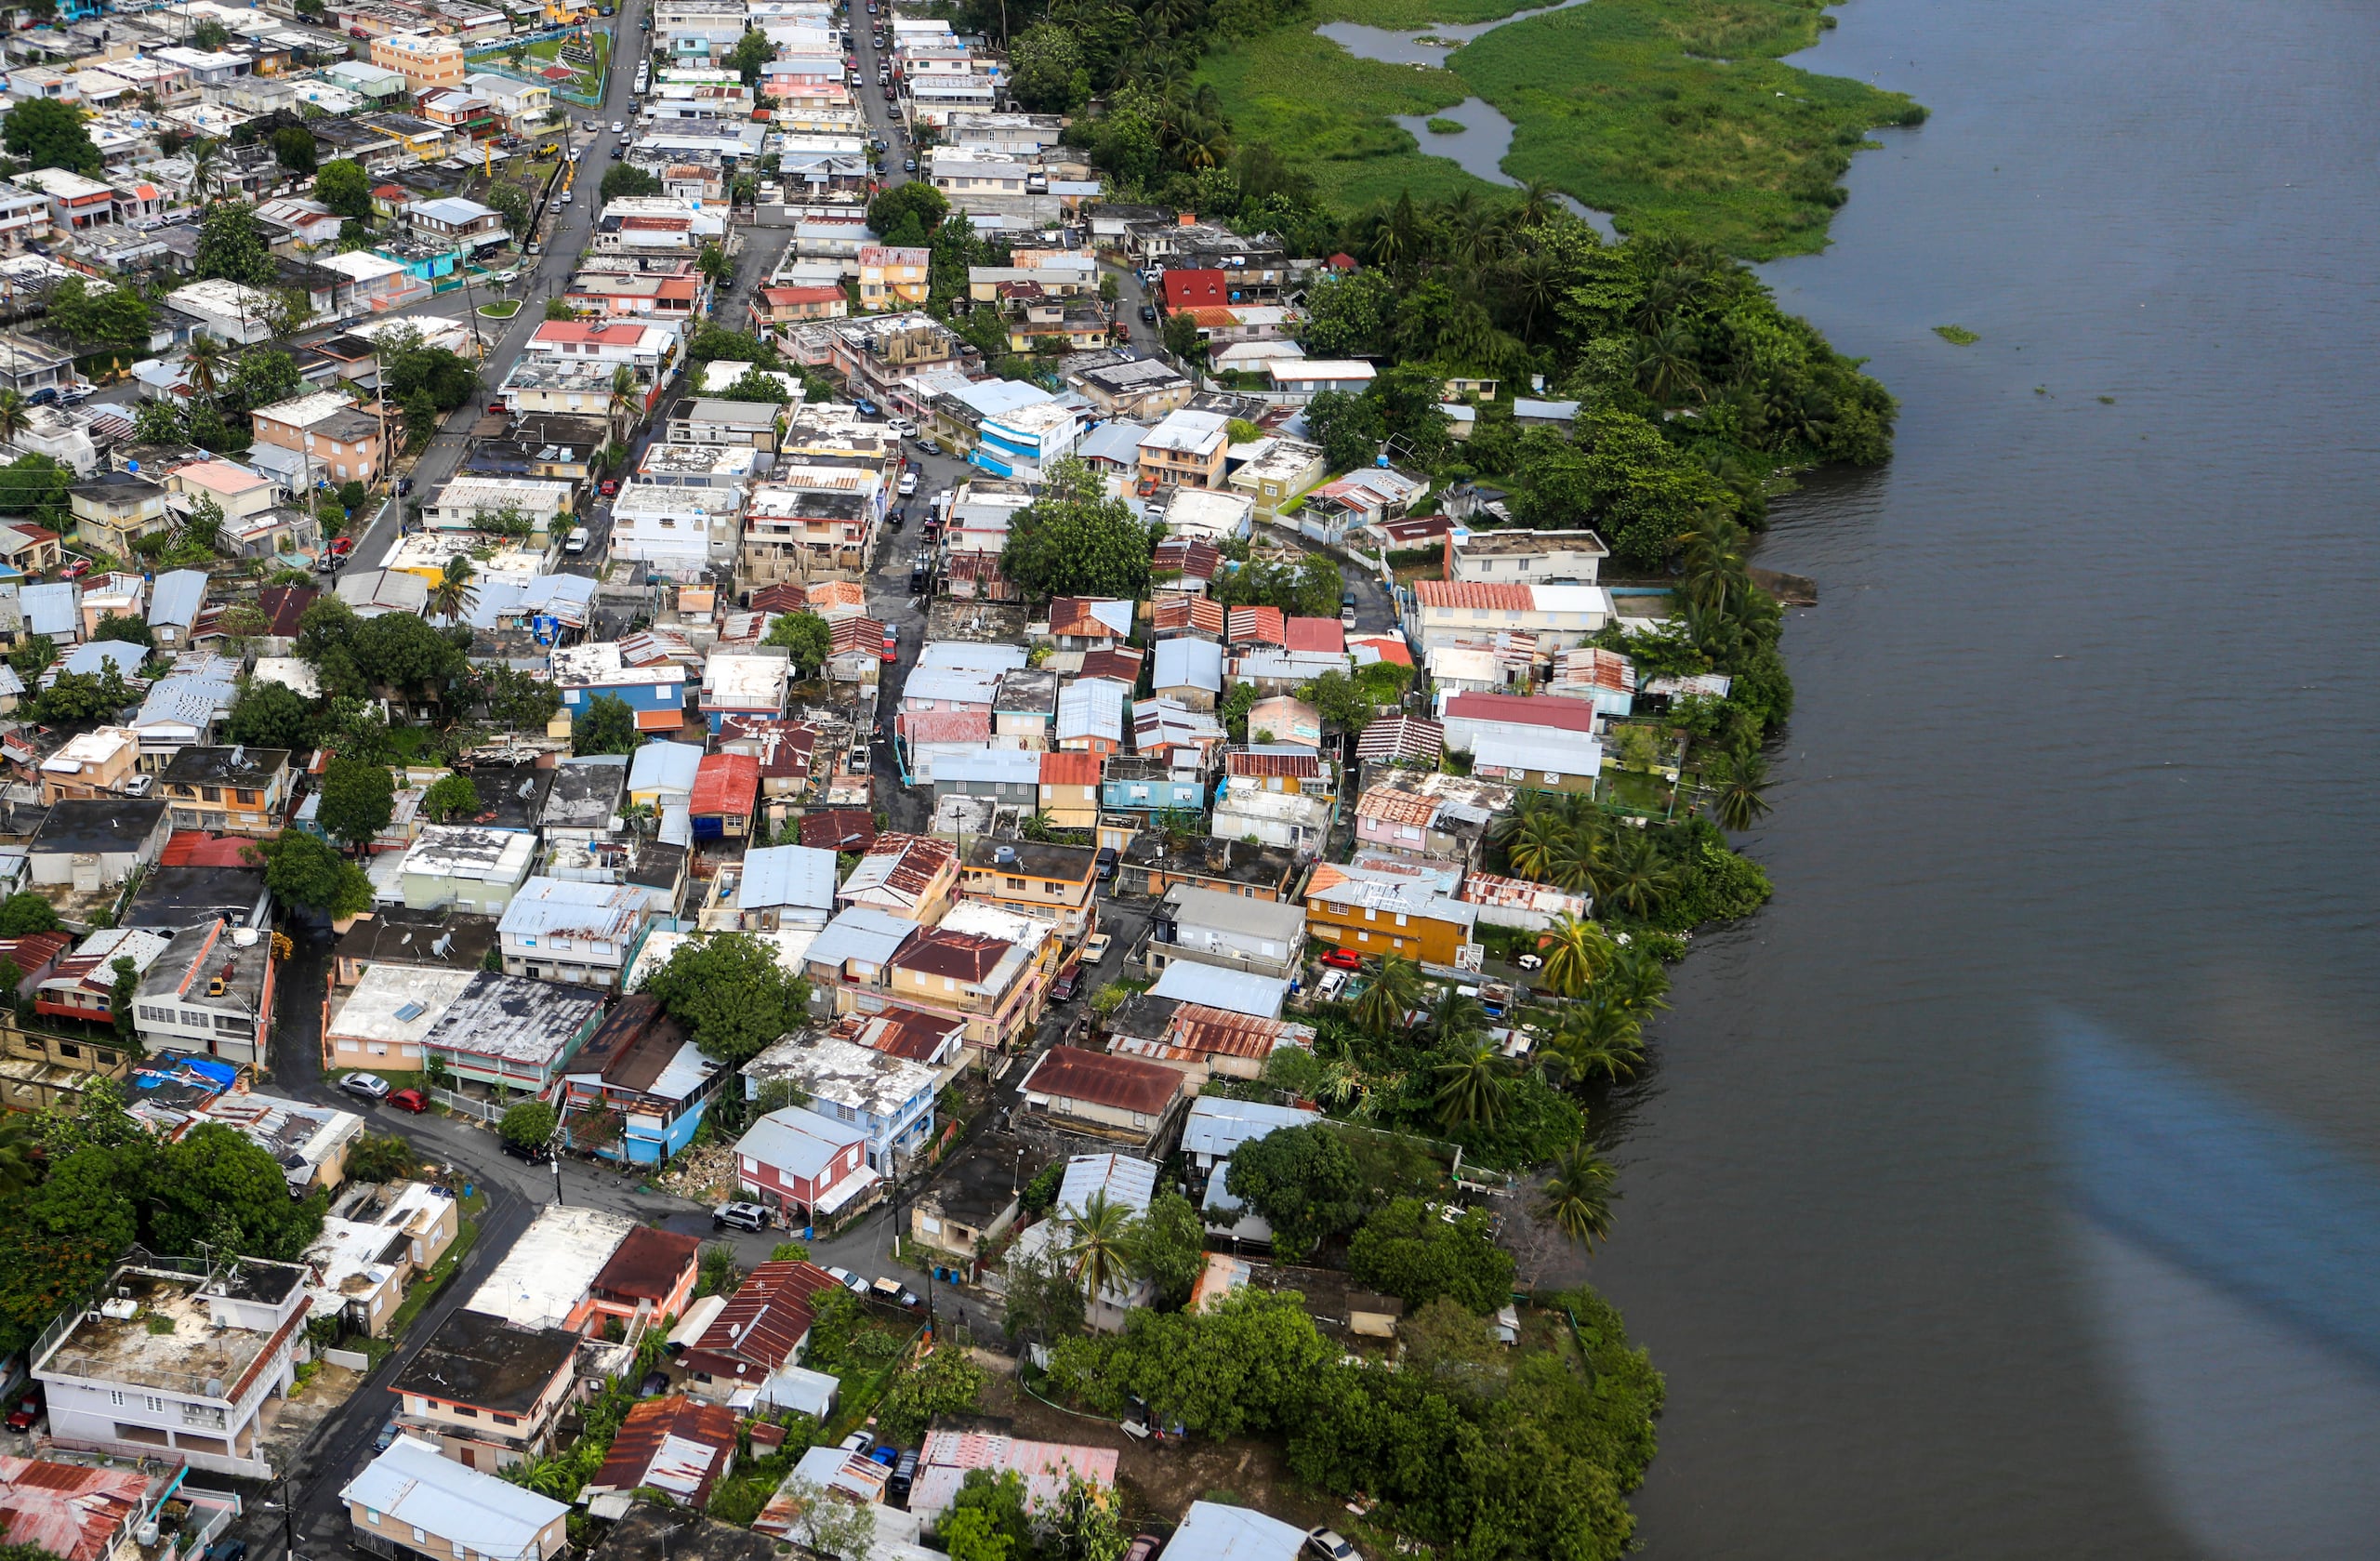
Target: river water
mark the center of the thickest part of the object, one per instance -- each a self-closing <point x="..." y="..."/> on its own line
<point x="2006" y="1188"/>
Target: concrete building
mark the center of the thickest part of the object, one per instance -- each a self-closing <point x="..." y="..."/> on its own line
<point x="413" y="1501"/>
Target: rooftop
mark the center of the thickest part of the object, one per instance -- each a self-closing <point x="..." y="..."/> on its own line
<point x="844" y="1073"/>
<point x="486" y="1363"/>
<point x="1119" y="1083"/>
<point x="550" y="1268"/>
<point x="515" y="1018"/>
<point x="413" y="1484"/>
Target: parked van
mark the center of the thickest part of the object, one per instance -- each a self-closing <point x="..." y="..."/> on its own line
<point x="1347" y="608"/>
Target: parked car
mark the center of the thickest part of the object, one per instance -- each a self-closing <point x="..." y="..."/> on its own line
<point x="371" y="1086"/>
<point x="1148" y="313"/>
<point x="884" y="1454"/>
<point x="908" y="483"/>
<point x="228" y="1550"/>
<point x="619" y="127"/>
<point x="908" y="165"/>
<point x="858" y="1441"/>
<point x="743" y="1216"/>
<point x="342" y="546"/>
<point x="1063" y="990"/>
<point x="1343" y="960"/>
<point x="611" y="486"/>
<point x="619" y="150"/>
<point x="27" y="1414"/>
<point x="577" y="541"/>
<point x="1529" y="962"/>
<point x="904" y="1476"/>
<point x="1108" y="860"/>
<point x="75" y="569"/>
<point x="864" y="407"/>
<point x="410" y="1100"/>
<point x="534" y="1153"/>
<point x="1330" y="1547"/>
<point x="891" y="643"/>
<point x="590" y="126"/>
<point x="384" y="1437"/>
<point x="655" y="1384"/>
<point x="903" y="426"/>
<point x="854" y="1283"/>
<point x="1096" y="949"/>
<point x="888" y="1290"/>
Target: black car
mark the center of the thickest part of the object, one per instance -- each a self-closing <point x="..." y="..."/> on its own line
<point x="535" y="1154"/>
<point x="1148" y="313"/>
<point x="917" y="582"/>
<point x="905" y="1474"/>
<point x="1108" y="860"/>
<point x="228" y="1550"/>
<point x="619" y="150"/>
<point x="655" y="1383"/>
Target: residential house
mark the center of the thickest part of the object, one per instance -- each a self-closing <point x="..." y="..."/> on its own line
<point x="339" y="442"/>
<point x="380" y="1023"/>
<point x="472" y="868"/>
<point x="582" y="934"/>
<point x="1208" y="515"/>
<point x="486" y="1393"/>
<point x="1121" y="385"/>
<point x="1052" y="882"/>
<point x="1274" y="471"/>
<point x="1190" y="671"/>
<point x="637" y="1091"/>
<point x="1530" y="734"/>
<point x="90" y="844"/>
<point x="1185" y="450"/>
<point x="1208" y="928"/>
<point x="113" y="510"/>
<point x="209" y="990"/>
<point x="726" y="795"/>
<point x="912" y="877"/>
<point x="655" y="690"/>
<point x="1606" y="680"/>
<point x="893" y="277"/>
<point x="235" y="791"/>
<point x="891" y="1099"/>
<point x="1531" y="557"/>
<point x="797" y="1159"/>
<point x="512" y="1033"/>
<point x="743" y="685"/>
<point x="1023" y="708"/>
<point x="82" y="984"/>
<point x="1205" y="1042"/>
<point x="998" y="776"/>
<point x="1214" y="1531"/>
<point x="1091" y="716"/>
<point x="651" y="1276"/>
<point x="777" y="888"/>
<point x="1435" y="815"/>
<point x="309" y="1141"/>
<point x="1405" y="907"/>
<point x="1123" y="1181"/>
<point x="1070" y="789"/>
<point x="1134" y="785"/>
<point x="1093" y="1093"/>
<point x="1215" y="986"/>
<point x="544" y="1278"/>
<point x="762" y="1330"/>
<point x="93" y="763"/>
<point x="673" y="1445"/>
<point x="411" y="1501"/>
<point x="1448" y="611"/>
<point x="1150" y="866"/>
<point x="583" y="803"/>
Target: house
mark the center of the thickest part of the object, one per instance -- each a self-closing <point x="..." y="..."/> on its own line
<point x="161" y="1360"/>
<point x="1022" y="710"/>
<point x="1448" y="611"/>
<point x="651" y="1276"/>
<point x="544" y="1275"/>
<point x="1402" y="740"/>
<point x="1189" y="671"/>
<point x="1293" y="767"/>
<point x="82" y="984"/>
<point x="1513" y="902"/>
<point x="1119" y="385"/>
<point x="1205" y="1043"/>
<point x="507" y="1032"/>
<point x="1307" y="378"/>
<point x="1091" y="717"/>
<point x="1070" y="789"/>
<point x="779" y="887"/>
<point x="762" y="1329"/>
<point x="310" y="1142"/>
<point x="655" y="690"/>
<point x="637" y="1091"/>
<point x="209" y="990"/>
<point x="580" y="933"/>
<point x="1217" y="986"/>
<point x="1130" y="785"/>
<point x="113" y="510"/>
<point x="425" y="59"/>
<point x="1107" y="1096"/>
<point x="1606" y="680"/>
<point x="93" y="763"/>
<point x="90" y="844"/>
<point x="1051" y="882"/>
<point x="411" y="1501"/>
<point x="798" y="1160"/>
<point x="1045" y="1469"/>
<point x="1217" y="1125"/>
<point x="972" y="1201"/>
<point x="912" y="877"/>
<point x="998" y="776"/>
<point x="1526" y="557"/>
<point x="893" y="277"/>
<point x="674" y="1445"/>
<point x="891" y="1100"/>
<point x="726" y="794"/>
<point x="1430" y="815"/>
<point x="486" y="1393"/>
<point x="338" y="441"/>
<point x="1518" y="725"/>
<point x="1212" y="1531"/>
<point x="470" y="868"/>
<point x="1210" y="515"/>
<point x="89" y="1511"/>
<point x="1117" y="1181"/>
<point x="1406" y="909"/>
<point x="1209" y="928"/>
<point x="1081" y="623"/>
<point x="1185" y="450"/>
<point x="376" y="1238"/>
<point x="234" y="791"/>
<point x="380" y="1023"/>
<point x="744" y="685"/>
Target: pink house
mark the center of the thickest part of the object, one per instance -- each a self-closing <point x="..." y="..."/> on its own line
<point x="654" y="1271"/>
<point x="796" y="1158"/>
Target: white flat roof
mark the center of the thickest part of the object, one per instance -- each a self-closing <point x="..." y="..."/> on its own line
<point x="549" y="1270"/>
<point x="419" y="993"/>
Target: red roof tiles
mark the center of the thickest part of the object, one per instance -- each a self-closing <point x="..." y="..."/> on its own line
<point x="1190" y="286"/>
<point x="1316" y="634"/>
<point x="1474" y="593"/>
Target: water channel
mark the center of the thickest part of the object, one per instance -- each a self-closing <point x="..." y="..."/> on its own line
<point x="2007" y="1188"/>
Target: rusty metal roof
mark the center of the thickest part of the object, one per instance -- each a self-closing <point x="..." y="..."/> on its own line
<point x="1474" y="593"/>
<point x="1119" y="1083"/>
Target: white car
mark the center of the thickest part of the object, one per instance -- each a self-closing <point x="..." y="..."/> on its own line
<point x="566" y="197"/>
<point x="908" y="483"/>
<point x="577" y="541"/>
<point x="1529" y="962"/>
<point x="371" y="1086"/>
<point x="901" y="425"/>
<point x="620" y="127"/>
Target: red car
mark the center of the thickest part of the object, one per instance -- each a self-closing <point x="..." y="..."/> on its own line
<point x="1343" y="960"/>
<point x="342" y="546"/>
<point x="410" y="1100"/>
<point x="27" y="1414"/>
<point x="75" y="569"/>
<point x="611" y="486"/>
<point x="892" y="644"/>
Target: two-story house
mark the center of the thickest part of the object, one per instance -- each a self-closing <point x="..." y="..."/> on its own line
<point x="579" y="933"/>
<point x="993" y="983"/>
<point x="1186" y="450"/>
<point x="796" y="1159"/>
<point x="210" y="991"/>
<point x="234" y="791"/>
<point x="412" y="1503"/>
<point x="176" y="1358"/>
<point x="510" y="1032"/>
<point x="762" y="1329"/>
<point x="913" y="877"/>
<point x="1053" y="882"/>
<point x="890" y="1099"/>
<point x="637" y="1091"/>
<point x="1208" y="928"/>
<point x="487" y="1393"/>
<point x="655" y="690"/>
<point x="651" y="1275"/>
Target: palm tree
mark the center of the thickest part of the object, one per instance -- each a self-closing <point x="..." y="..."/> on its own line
<point x="1577" y="1195"/>
<point x="1596" y="1038"/>
<point x="1577" y="952"/>
<point x="1456" y="1013"/>
<point x="1098" y="1250"/>
<point x="1635" y="981"/>
<point x="1394" y="991"/>
<point x="1638" y="882"/>
<point x="16" y="1143"/>
<point x="1534" y="282"/>
<point x="202" y="153"/>
<point x="454" y="593"/>
<point x="1472" y="1088"/>
<point x="1538" y="843"/>
<point x="1714" y="555"/>
<point x="623" y="402"/>
<point x="1740" y="780"/>
<point x="1538" y="200"/>
<point x="15" y="411"/>
<point x="1577" y="864"/>
<point x="1665" y="365"/>
<point x="205" y="358"/>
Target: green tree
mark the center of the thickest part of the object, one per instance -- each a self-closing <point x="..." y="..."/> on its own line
<point x="915" y="201"/>
<point x="450" y="797"/>
<point x="219" y="1185"/>
<point x="342" y="185"/>
<point x="516" y="700"/>
<point x="807" y="637"/>
<point x="511" y="202"/>
<point x="559" y="309"/>
<point x="85" y="699"/>
<point x="45" y="133"/>
<point x="1405" y="1249"/>
<point x="272" y="716"/>
<point x="359" y="799"/>
<point x="1577" y="1195"/>
<point x="1072" y="540"/>
<point x="824" y="1525"/>
<point x="1454" y="1350"/>
<point x="528" y="1125"/>
<point x="125" y="630"/>
<point x="626" y="178"/>
<point x="1739" y="784"/>
<point x="231" y="247"/>
<point x="751" y="51"/>
<point x="1302" y="1182"/>
<point x="33" y="656"/>
<point x="1168" y="1244"/>
<point x="33" y="483"/>
<point x="756" y="384"/>
<point x="1471" y="1086"/>
<point x="1046" y="73"/>
<point x="120" y="991"/>
<point x="1043" y="1303"/>
<point x="293" y="148"/>
<point x="1396" y="988"/>
<point x="731" y="994"/>
<point x="945" y="1383"/>
<point x="380" y="1157"/>
<point x="305" y="874"/>
<point x="26" y="912"/>
<point x="406" y="653"/>
<point x="1348" y="426"/>
<point x="606" y="726"/>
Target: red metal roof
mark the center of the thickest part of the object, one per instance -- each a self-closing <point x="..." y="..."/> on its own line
<point x="1389" y="647"/>
<point x="967" y="956"/>
<point x="1190" y="287"/>
<point x="1302" y="766"/>
<point x="1317" y="634"/>
<point x="1258" y="625"/>
<point x="1402" y="737"/>
<point x="839" y="829"/>
<point x="761" y="1324"/>
<point x="1070" y="769"/>
<point x="727" y="784"/>
<point x="1119" y="664"/>
<point x="1563" y="715"/>
<point x="1200" y="615"/>
<point x="1474" y="593"/>
<point x="947" y="726"/>
<point x="641" y="1453"/>
<point x="195" y="847"/>
<point x="1118" y="1084"/>
<point x="786" y="598"/>
<point x="648" y="1264"/>
<point x="69" y="1510"/>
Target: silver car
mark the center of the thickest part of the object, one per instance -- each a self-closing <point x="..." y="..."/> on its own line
<point x="371" y="1086"/>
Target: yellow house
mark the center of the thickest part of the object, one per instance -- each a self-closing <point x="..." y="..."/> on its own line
<point x="893" y="276"/>
<point x="1051" y="882"/>
<point x="425" y="59"/>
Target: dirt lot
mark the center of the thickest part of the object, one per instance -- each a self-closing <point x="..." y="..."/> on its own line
<point x="1160" y="1480"/>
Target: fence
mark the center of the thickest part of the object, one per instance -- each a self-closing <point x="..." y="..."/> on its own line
<point x="351" y="1359"/>
<point x="480" y="1110"/>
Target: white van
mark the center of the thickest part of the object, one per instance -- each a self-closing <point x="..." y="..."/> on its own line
<point x="643" y="76"/>
<point x="577" y="541"/>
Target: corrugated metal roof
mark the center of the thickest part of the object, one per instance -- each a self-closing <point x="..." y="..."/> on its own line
<point x="664" y="767"/>
<point x="861" y="933"/>
<point x="1475" y="594"/>
<point x="787" y="874"/>
<point x="1189" y="663"/>
<point x="547" y="907"/>
<point x="1212" y="986"/>
<point x="727" y="784"/>
<point x="1402" y="737"/>
<point x="1258" y="626"/>
<point x="178" y="596"/>
<point x="1070" y="769"/>
<point x="1212" y="1531"/>
<point x="1119" y="1083"/>
<point x="1217" y="1125"/>
<point x="1095" y="708"/>
<point x="798" y="1142"/>
<point x="415" y="1484"/>
<point x="1124" y="1178"/>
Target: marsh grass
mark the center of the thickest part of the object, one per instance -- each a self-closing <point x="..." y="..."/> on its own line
<point x="1957" y="335"/>
<point x="1446" y="127"/>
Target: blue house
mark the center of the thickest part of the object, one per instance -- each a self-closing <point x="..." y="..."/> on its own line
<point x="638" y="1089"/>
<point x="585" y="673"/>
<point x="1130" y="785"/>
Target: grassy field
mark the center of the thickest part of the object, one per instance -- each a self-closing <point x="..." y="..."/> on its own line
<point x="1667" y="113"/>
<point x="1316" y="102"/>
